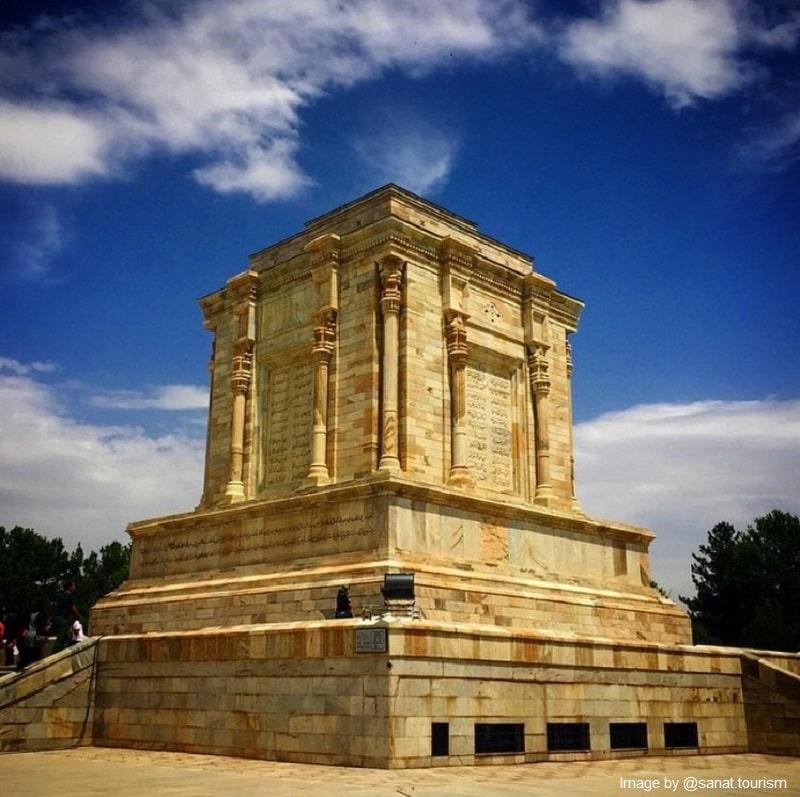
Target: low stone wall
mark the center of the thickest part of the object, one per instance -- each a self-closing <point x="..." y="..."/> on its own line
<point x="50" y="704"/>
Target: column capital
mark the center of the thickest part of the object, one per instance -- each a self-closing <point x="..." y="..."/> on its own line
<point x="570" y="365"/>
<point x="242" y="371"/>
<point x="456" y="334"/>
<point x="539" y="368"/>
<point x="391" y="273"/>
<point x="324" y="334"/>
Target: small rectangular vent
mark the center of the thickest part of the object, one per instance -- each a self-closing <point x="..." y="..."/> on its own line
<point x="499" y="737"/>
<point x="562" y="736"/>
<point x="680" y="734"/>
<point x="628" y="735"/>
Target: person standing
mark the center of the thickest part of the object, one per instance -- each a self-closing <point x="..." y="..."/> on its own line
<point x="66" y="614"/>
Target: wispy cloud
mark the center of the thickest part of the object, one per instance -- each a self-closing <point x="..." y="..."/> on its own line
<point x="82" y="481"/>
<point x="34" y="251"/>
<point x="686" y="49"/>
<point x="224" y="81"/>
<point x="775" y="148"/>
<point x="13" y="366"/>
<point x="165" y="397"/>
<point x="681" y="468"/>
<point x="408" y="151"/>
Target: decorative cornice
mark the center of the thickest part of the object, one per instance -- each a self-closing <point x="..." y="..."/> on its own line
<point x="509" y="286"/>
<point x="393" y="240"/>
<point x="324" y="249"/>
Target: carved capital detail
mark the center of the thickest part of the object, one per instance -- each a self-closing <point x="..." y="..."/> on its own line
<point x="539" y="368"/>
<point x="391" y="271"/>
<point x="242" y="372"/>
<point x="456" y="332"/>
<point x="324" y="335"/>
<point x="569" y="360"/>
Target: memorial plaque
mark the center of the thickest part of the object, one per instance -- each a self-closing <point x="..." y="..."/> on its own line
<point x="490" y="420"/>
<point x="288" y="435"/>
<point x="372" y="640"/>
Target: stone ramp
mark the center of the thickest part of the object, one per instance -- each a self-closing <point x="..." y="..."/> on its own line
<point x="772" y="706"/>
<point x="50" y="705"/>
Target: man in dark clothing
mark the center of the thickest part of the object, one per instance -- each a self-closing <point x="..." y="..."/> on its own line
<point x="66" y="614"/>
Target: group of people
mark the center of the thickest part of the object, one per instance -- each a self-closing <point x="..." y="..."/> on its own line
<point x="24" y="633"/>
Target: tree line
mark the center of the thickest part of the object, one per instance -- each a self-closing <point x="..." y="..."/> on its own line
<point x="34" y="569"/>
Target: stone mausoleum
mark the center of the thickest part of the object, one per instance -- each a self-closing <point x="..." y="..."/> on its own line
<point x="390" y="393"/>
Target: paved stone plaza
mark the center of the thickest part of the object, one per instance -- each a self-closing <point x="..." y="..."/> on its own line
<point x="128" y="773"/>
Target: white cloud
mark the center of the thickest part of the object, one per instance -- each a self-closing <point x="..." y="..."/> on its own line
<point x="681" y="468"/>
<point x="22" y="369"/>
<point x="687" y="49"/>
<point x="49" y="144"/>
<point x="85" y="482"/>
<point x="225" y="81"/>
<point x="407" y="151"/>
<point x="165" y="397"/>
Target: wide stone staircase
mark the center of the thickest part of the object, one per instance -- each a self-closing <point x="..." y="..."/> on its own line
<point x="50" y="704"/>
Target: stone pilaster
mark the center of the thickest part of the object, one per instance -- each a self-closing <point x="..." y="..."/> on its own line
<point x="324" y="344"/>
<point x="456" y="332"/>
<point x="538" y="296"/>
<point x="570" y="366"/>
<point x="324" y="260"/>
<point x="391" y="272"/>
<point x="539" y="377"/>
<point x="244" y="289"/>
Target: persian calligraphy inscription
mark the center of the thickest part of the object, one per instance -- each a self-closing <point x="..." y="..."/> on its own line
<point x="490" y="422"/>
<point x="283" y="538"/>
<point x="288" y="433"/>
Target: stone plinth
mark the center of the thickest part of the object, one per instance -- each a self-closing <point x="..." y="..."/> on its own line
<point x="302" y="692"/>
<point x="475" y="560"/>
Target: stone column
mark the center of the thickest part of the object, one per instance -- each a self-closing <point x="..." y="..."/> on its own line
<point x="539" y="375"/>
<point x="573" y="496"/>
<point x="391" y="271"/>
<point x="456" y="332"/>
<point x="243" y="289"/>
<point x="324" y="342"/>
<point x="240" y="385"/>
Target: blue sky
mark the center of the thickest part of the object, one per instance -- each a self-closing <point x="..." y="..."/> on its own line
<point x="645" y="152"/>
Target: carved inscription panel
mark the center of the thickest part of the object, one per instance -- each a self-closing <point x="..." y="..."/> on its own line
<point x="276" y="539"/>
<point x="286" y="310"/>
<point x="489" y="413"/>
<point x="287" y="413"/>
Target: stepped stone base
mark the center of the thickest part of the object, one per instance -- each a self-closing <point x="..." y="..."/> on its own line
<point x="301" y="692"/>
<point x="475" y="560"/>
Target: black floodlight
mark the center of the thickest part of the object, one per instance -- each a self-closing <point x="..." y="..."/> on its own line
<point x="398" y="587"/>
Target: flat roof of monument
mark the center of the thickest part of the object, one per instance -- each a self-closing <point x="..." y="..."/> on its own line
<point x="394" y="190"/>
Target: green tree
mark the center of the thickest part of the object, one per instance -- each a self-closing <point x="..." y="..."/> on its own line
<point x="34" y="568"/>
<point x="747" y="585"/>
